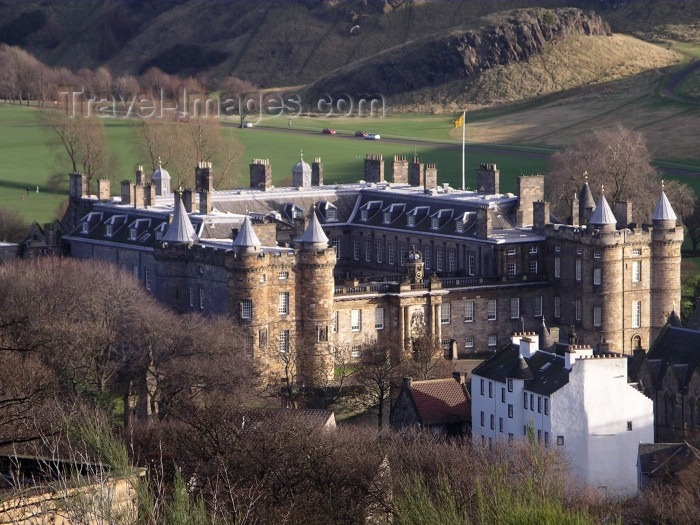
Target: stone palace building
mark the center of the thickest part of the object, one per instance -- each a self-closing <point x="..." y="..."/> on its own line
<point x="338" y="265"/>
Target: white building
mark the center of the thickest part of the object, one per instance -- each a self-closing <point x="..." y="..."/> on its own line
<point x="575" y="401"/>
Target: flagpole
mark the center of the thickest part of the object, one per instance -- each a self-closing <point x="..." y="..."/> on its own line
<point x="464" y="124"/>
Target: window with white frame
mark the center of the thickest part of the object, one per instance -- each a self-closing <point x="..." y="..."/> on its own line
<point x="510" y="411"/>
<point x="532" y="250"/>
<point x="379" y="249"/>
<point x="368" y="251"/>
<point x="283" y="303"/>
<point x="246" y="309"/>
<point x="451" y="260"/>
<point x="108" y="230"/>
<point x="390" y="252"/>
<point x="445" y="313"/>
<point x="514" y="307"/>
<point x="637" y="251"/>
<point x="402" y="254"/>
<point x="335" y="242"/>
<point x="578" y="269"/>
<point x="133" y="233"/>
<point x="537" y="306"/>
<point x="491" y="310"/>
<point x="469" y="342"/>
<point x="597" y="276"/>
<point x="532" y="267"/>
<point x="379" y="318"/>
<point x="510" y="251"/>
<point x="147" y="277"/>
<point x="261" y="278"/>
<point x="355" y="320"/>
<point x="364" y="215"/>
<point x="471" y="264"/>
<point x="355" y="351"/>
<point x="636" y="271"/>
<point x="557" y="249"/>
<point x="201" y="298"/>
<point x="597" y="254"/>
<point x="331" y="214"/>
<point x="636" y="314"/>
<point x="492" y="340"/>
<point x="577" y="308"/>
<point x="434" y="223"/>
<point x="459" y="226"/>
<point x="426" y="257"/>
<point x="557" y="306"/>
<point x="387" y="217"/>
<point x="469" y="311"/>
<point x="85" y="227"/>
<point x="282" y="275"/>
<point x="284" y="341"/>
<point x="438" y="260"/>
<point x="597" y="315"/>
<point x="557" y="267"/>
<point x="512" y="269"/>
<point x="411" y="220"/>
<point x="579" y="250"/>
<point x="356" y="250"/>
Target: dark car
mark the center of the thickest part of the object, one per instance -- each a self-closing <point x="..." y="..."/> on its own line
<point x="328" y="131"/>
<point x="360" y="133"/>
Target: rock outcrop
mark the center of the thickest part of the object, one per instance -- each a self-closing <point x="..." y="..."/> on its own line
<point x="499" y="39"/>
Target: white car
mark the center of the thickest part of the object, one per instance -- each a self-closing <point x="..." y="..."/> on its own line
<point x="372" y="136"/>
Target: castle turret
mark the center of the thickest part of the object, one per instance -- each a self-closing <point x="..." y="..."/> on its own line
<point x="586" y="204"/>
<point x="180" y="229"/>
<point x="316" y="261"/>
<point x="246" y="241"/>
<point x="160" y="179"/>
<point x="603" y="217"/>
<point x="666" y="240"/>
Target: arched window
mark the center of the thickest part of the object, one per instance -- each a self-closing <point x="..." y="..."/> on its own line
<point x="636" y="342"/>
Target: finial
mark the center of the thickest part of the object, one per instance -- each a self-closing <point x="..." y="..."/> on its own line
<point x="662" y="184"/>
<point x="301" y="154"/>
<point x="159" y="163"/>
<point x="585" y="176"/>
<point x="602" y="189"/>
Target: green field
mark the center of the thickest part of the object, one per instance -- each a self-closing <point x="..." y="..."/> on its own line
<point x="27" y="157"/>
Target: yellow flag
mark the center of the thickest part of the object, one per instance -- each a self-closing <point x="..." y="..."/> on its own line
<point x="458" y="121"/>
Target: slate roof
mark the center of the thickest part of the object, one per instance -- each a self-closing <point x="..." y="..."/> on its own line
<point x="675" y="347"/>
<point x="585" y="197"/>
<point x="314" y="234"/>
<point x="440" y="401"/>
<point x="660" y="459"/>
<point x="246" y="237"/>
<point x="547" y="369"/>
<point x="602" y="213"/>
<point x="180" y="228"/>
<point x="663" y="211"/>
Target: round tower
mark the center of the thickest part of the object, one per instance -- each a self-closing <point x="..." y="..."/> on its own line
<point x="316" y="261"/>
<point x="666" y="240"/>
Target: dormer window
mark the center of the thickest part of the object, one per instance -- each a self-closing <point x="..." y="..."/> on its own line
<point x="331" y="215"/>
<point x="387" y="217"/>
<point x="434" y="223"/>
<point x="85" y="227"/>
<point x="108" y="230"/>
<point x="364" y="215"/>
<point x="133" y="233"/>
<point x="459" y="226"/>
<point x="411" y="220"/>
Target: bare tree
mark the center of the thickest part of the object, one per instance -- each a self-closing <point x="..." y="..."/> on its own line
<point x="12" y="226"/>
<point x="19" y="69"/>
<point x="428" y="357"/>
<point x="83" y="141"/>
<point x="616" y="159"/>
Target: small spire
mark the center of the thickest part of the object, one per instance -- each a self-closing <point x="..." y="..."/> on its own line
<point x="585" y="176"/>
<point x="159" y="162"/>
<point x="602" y="189"/>
<point x="662" y="184"/>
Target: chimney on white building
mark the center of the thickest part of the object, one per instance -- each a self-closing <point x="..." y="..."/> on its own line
<point x="574" y="352"/>
<point x="529" y="342"/>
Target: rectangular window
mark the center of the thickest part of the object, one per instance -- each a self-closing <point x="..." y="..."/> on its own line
<point x="108" y="230"/>
<point x="335" y="322"/>
<point x="411" y="220"/>
<point x="514" y="307"/>
<point x="546" y="439"/>
<point x="262" y="337"/>
<point x="445" y="313"/>
<point x="364" y="215"/>
<point x="491" y="310"/>
<point x="579" y="250"/>
<point x="283" y="303"/>
<point x="532" y="402"/>
<point x="147" y="277"/>
<point x="510" y="410"/>
<point x="284" y="341"/>
<point x="368" y="251"/>
<point x="426" y="258"/>
<point x="597" y="276"/>
<point x="525" y="400"/>
<point x="557" y="306"/>
<point x="438" y="260"/>
<point x="482" y="383"/>
<point x="468" y="311"/>
<point x="355" y="320"/>
<point x="537" y="306"/>
<point x="492" y="421"/>
<point x="191" y="296"/>
<point x="578" y="269"/>
<point x="469" y="342"/>
<point x="636" y="271"/>
<point x="335" y="242"/>
<point x="597" y="254"/>
<point x="510" y="385"/>
<point x="356" y="250"/>
<point x="261" y="278"/>
<point x="493" y="340"/>
<point x="282" y="275"/>
<point x="510" y="438"/>
<point x="249" y="345"/>
<point x="482" y="418"/>
<point x="577" y="307"/>
<point x="557" y="249"/>
<point x="510" y="251"/>
<point x="390" y="252"/>
<point x="379" y="250"/>
<point x="451" y="260"/>
<point x="490" y="389"/>
<point x="636" y="314"/>
<point x="560" y="440"/>
<point x="539" y="405"/>
<point x="379" y="318"/>
<point x="557" y="267"/>
<point x="532" y="250"/>
<point x="512" y="269"/>
<point x="539" y="436"/>
<point x="471" y="264"/>
<point x="500" y="424"/>
<point x="355" y="351"/>
<point x="597" y="315"/>
<point x="503" y="395"/>
<point x="201" y="298"/>
<point x="402" y="254"/>
<point x="637" y="251"/>
<point x="246" y="309"/>
<point x="533" y="267"/>
<point x="546" y="406"/>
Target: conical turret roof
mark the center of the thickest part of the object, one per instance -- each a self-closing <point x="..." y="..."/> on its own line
<point x="314" y="235"/>
<point x="585" y="197"/>
<point x="673" y="319"/>
<point x="663" y="211"/>
<point x="602" y="214"/>
<point x="180" y="229"/>
<point x="546" y="341"/>
<point x="246" y="240"/>
<point x="520" y="370"/>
